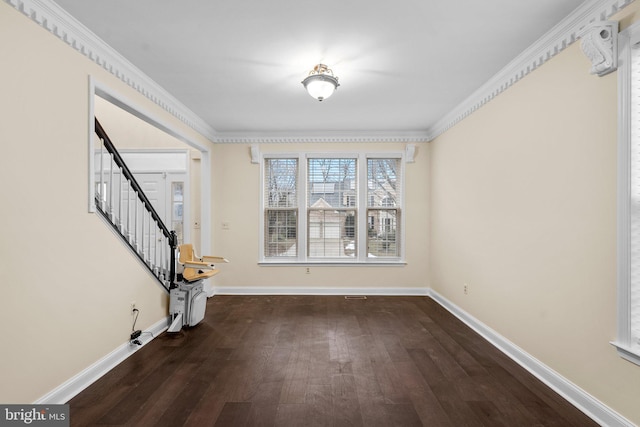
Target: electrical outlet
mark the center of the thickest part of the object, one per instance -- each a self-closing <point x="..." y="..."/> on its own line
<point x="307" y="270"/>
<point x="133" y="306"/>
<point x="466" y="289"/>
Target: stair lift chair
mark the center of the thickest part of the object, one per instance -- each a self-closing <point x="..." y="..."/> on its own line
<point x="187" y="299"/>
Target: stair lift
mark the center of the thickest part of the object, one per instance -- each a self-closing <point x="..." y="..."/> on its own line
<point x="187" y="299"/>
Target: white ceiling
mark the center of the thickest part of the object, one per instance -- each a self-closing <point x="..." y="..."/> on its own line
<point x="238" y="64"/>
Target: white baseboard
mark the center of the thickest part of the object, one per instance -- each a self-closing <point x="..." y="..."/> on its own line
<point x="263" y="290"/>
<point x="66" y="391"/>
<point x="579" y="398"/>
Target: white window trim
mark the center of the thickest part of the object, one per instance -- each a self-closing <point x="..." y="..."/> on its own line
<point x="362" y="258"/>
<point x="623" y="342"/>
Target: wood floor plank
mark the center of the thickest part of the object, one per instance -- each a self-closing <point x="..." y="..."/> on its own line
<point x="264" y="406"/>
<point x="233" y="414"/>
<point x="428" y="408"/>
<point x="339" y="347"/>
<point x="374" y="413"/>
<point x="296" y="376"/>
<point x="293" y="414"/>
<point x="318" y="401"/>
<point x="488" y="413"/>
<point x="275" y="370"/>
<point x="322" y="361"/>
<point x="402" y="415"/>
<point x="205" y="411"/>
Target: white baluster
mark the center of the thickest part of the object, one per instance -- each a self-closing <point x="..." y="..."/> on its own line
<point x="120" y="223"/>
<point x="102" y="195"/>
<point x="142" y="231"/>
<point x="149" y="237"/>
<point x="111" y="189"/>
<point x="135" y="225"/>
<point x="155" y="248"/>
<point x="129" y="212"/>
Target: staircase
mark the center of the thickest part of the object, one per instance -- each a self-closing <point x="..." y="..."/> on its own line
<point x="123" y="204"/>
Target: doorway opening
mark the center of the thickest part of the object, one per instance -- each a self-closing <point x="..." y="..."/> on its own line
<point x="172" y="168"/>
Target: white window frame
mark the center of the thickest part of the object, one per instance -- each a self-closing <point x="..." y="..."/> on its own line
<point x="626" y="171"/>
<point x="361" y="257"/>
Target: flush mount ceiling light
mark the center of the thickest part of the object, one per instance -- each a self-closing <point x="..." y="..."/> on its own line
<point x="321" y="83"/>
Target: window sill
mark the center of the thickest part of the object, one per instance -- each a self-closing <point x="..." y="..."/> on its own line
<point x="627" y="353"/>
<point x="333" y="263"/>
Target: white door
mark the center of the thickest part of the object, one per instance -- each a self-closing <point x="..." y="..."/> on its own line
<point x="163" y="176"/>
<point x="153" y="186"/>
<point x="166" y="192"/>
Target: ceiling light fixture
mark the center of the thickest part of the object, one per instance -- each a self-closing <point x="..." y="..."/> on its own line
<point x="320" y="83"/>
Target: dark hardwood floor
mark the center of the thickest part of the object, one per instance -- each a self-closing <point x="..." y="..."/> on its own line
<point x="322" y="361"/>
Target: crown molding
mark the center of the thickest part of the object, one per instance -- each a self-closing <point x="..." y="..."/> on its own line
<point x="319" y="137"/>
<point x="64" y="26"/>
<point x="553" y="42"/>
<point x="58" y="22"/>
<point x="61" y="24"/>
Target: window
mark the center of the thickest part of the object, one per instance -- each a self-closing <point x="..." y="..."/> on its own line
<point x="281" y="213"/>
<point x="177" y="209"/>
<point x="349" y="210"/>
<point x="628" y="336"/>
<point x="384" y="201"/>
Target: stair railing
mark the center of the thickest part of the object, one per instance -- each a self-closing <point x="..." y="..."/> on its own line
<point x="122" y="202"/>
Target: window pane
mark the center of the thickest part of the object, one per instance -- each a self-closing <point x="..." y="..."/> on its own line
<point x="383" y="191"/>
<point x="634" y="203"/>
<point x="331" y="183"/>
<point x="281" y="233"/>
<point x="383" y="182"/>
<point x="281" y="183"/>
<point x="383" y="233"/>
<point x="332" y="233"/>
<point x="332" y="196"/>
<point x="281" y="215"/>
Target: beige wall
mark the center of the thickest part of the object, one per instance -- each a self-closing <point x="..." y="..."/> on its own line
<point x="524" y="212"/>
<point x="67" y="280"/>
<point x="236" y="200"/>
